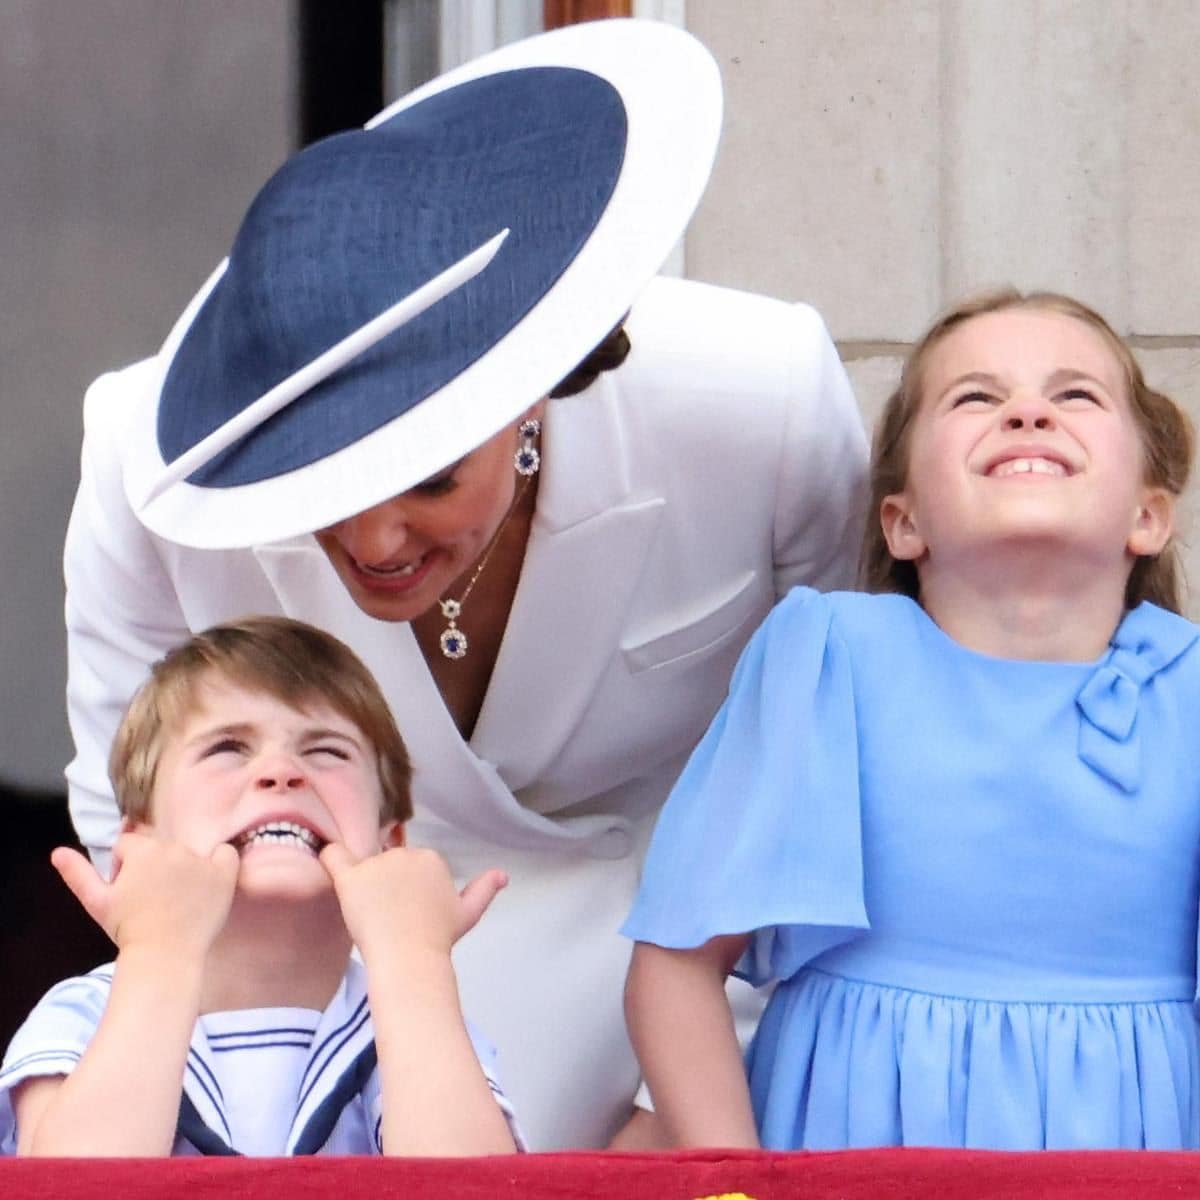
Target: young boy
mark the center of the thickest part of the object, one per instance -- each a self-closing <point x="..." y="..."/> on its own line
<point x="263" y="788"/>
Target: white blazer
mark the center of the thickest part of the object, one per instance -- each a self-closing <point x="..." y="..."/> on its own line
<point x="680" y="496"/>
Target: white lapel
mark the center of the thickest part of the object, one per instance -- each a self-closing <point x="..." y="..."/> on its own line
<point x="589" y="539"/>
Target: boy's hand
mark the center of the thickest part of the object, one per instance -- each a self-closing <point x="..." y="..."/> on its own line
<point x="162" y="895"/>
<point x="406" y="895"/>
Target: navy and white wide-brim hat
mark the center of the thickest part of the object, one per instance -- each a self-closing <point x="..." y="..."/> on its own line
<point x="553" y="176"/>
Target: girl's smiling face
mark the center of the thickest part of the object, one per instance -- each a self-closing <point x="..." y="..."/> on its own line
<point x="1025" y="436"/>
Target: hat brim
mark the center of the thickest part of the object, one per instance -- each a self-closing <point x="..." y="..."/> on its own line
<point x="671" y="90"/>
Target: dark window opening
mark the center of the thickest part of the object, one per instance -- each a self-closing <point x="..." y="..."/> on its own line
<point x="341" y="52"/>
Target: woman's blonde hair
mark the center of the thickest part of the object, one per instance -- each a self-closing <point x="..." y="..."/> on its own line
<point x="1165" y="430"/>
<point x="293" y="662"/>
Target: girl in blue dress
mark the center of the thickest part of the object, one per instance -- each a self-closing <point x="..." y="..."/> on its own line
<point x="956" y="822"/>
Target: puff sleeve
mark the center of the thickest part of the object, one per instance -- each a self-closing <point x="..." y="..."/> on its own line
<point x="762" y="833"/>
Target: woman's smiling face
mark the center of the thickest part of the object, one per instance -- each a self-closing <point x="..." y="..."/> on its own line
<point x="399" y="558"/>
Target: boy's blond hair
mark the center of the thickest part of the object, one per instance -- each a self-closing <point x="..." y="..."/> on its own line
<point x="1166" y="436"/>
<point x="296" y="663"/>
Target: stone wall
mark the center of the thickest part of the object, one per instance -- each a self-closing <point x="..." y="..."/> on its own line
<point x="882" y="160"/>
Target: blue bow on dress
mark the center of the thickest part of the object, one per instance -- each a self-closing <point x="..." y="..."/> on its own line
<point x="1148" y="640"/>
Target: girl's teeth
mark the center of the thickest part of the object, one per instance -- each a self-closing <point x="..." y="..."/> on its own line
<point x="1030" y="466"/>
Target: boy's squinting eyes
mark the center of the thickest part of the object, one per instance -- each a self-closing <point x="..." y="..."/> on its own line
<point x="262" y="761"/>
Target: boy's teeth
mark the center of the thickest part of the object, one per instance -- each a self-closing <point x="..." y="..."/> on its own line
<point x="279" y="833"/>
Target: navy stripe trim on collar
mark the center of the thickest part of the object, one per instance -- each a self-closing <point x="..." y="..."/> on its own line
<point x="321" y="1124"/>
<point x="193" y="1129"/>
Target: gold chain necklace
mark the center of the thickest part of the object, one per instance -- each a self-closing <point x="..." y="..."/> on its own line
<point x="453" y="641"/>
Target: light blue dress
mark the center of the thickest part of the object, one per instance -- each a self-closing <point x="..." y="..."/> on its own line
<point x="975" y="879"/>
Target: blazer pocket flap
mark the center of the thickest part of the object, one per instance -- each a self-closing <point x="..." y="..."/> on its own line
<point x="721" y="620"/>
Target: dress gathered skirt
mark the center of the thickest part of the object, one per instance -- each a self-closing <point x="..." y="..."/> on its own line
<point x="973" y="882"/>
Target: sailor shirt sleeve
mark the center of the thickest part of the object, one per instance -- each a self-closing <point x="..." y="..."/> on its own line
<point x="488" y="1060"/>
<point x="51" y="1041"/>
